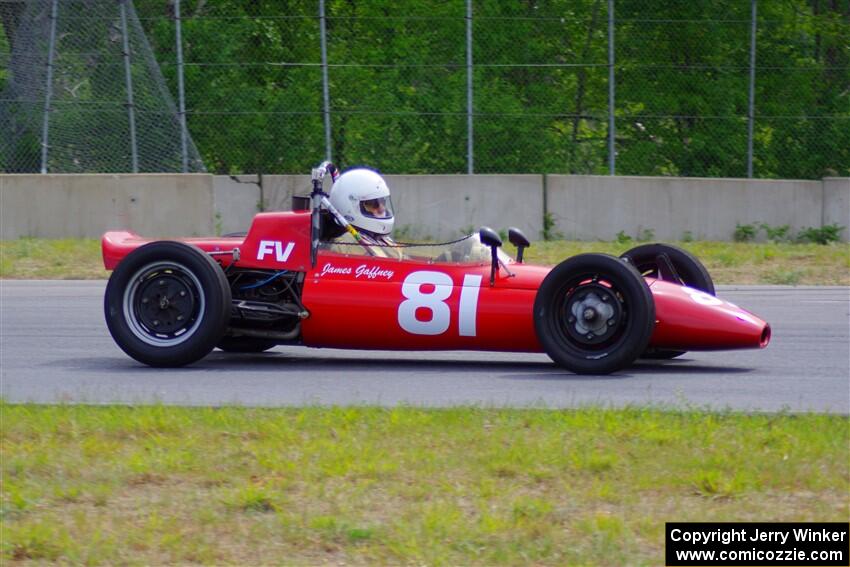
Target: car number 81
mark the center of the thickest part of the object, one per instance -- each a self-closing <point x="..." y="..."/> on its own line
<point x="434" y="303"/>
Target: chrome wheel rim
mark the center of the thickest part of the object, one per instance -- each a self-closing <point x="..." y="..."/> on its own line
<point x="164" y="304"/>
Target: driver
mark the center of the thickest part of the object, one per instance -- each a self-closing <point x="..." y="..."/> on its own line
<point x="363" y="198"/>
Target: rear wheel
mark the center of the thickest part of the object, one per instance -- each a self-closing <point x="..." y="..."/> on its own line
<point x="594" y="314"/>
<point x="669" y="263"/>
<point x="245" y="344"/>
<point x="167" y="304"/>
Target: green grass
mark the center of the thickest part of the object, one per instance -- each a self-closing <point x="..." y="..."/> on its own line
<point x="40" y="258"/>
<point x="734" y="262"/>
<point x="155" y="485"/>
<point x="727" y="262"/>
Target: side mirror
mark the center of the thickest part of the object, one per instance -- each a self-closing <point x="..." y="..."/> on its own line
<point x="490" y="238"/>
<point x="518" y="239"/>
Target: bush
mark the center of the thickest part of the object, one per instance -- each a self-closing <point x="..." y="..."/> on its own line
<point x="776" y="233"/>
<point x="643" y="235"/>
<point x="822" y="235"/>
<point x="744" y="232"/>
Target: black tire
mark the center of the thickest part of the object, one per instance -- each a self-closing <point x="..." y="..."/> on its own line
<point x="167" y="304"/>
<point x="594" y="314"/>
<point x="688" y="270"/>
<point x="245" y="344"/>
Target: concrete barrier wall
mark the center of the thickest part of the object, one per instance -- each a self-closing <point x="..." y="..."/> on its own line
<point x="433" y="206"/>
<point x="239" y="197"/>
<point x="63" y="206"/>
<point x="427" y="206"/>
<point x="449" y="206"/>
<point x="597" y="207"/>
<point x="836" y="203"/>
<point x="236" y="201"/>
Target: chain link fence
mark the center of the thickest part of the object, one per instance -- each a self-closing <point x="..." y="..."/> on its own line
<point x="729" y="88"/>
<point x="84" y="92"/>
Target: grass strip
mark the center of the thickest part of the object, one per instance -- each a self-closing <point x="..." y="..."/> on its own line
<point x="157" y="484"/>
<point x="47" y="259"/>
<point x="727" y="262"/>
<point x="782" y="263"/>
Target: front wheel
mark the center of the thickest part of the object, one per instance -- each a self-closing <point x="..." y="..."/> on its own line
<point x="167" y="304"/>
<point x="594" y="314"/>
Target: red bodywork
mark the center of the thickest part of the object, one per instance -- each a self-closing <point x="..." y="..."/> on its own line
<point x="367" y="302"/>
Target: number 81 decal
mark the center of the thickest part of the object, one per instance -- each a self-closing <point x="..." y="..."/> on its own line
<point x="435" y="303"/>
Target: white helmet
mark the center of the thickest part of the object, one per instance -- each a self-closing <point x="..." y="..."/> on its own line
<point x="363" y="198"/>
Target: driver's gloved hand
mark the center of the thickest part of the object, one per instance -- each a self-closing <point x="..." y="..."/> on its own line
<point x="332" y="169"/>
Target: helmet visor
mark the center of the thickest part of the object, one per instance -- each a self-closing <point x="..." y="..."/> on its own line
<point x="380" y="208"/>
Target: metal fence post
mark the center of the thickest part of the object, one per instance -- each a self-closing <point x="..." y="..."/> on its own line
<point x="470" y="165"/>
<point x="131" y="111"/>
<point x="612" y="155"/>
<point x="54" y="12"/>
<point x="181" y="99"/>
<point x="325" y="89"/>
<point x="752" y="99"/>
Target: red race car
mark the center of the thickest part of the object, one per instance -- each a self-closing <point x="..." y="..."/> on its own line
<point x="287" y="281"/>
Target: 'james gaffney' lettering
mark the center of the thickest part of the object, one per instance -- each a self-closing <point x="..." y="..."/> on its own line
<point x="275" y="247"/>
<point x="331" y="269"/>
<point x="368" y="272"/>
<point x="373" y="272"/>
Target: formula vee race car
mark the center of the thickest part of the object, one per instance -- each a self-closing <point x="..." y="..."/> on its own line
<point x="286" y="282"/>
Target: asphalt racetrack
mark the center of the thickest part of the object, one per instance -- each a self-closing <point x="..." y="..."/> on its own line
<point x="54" y="347"/>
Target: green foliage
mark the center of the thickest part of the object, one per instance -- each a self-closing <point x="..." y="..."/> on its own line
<point x="744" y="232"/>
<point x="819" y="235"/>
<point x="687" y="236"/>
<point x="5" y="49"/>
<point x="776" y="233"/>
<point x="549" y="231"/>
<point x="822" y="235"/>
<point x="398" y="86"/>
<point x="643" y="235"/>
